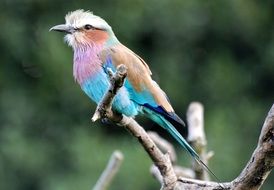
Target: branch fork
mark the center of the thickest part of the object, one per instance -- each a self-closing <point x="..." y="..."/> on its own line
<point x="252" y="176"/>
<point x="103" y="110"/>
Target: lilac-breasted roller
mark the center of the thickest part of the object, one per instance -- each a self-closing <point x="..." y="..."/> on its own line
<point x="96" y="49"/>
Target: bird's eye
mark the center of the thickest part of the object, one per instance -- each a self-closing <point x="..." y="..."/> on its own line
<point x="88" y="27"/>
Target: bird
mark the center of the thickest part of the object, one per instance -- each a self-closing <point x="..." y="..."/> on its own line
<point x="97" y="49"/>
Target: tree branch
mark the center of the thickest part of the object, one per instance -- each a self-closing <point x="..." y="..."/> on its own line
<point x="197" y="138"/>
<point x="262" y="160"/>
<point x="252" y="177"/>
<point x="110" y="171"/>
<point x="104" y="110"/>
<point x="167" y="147"/>
<point x="256" y="170"/>
<point x="163" y="145"/>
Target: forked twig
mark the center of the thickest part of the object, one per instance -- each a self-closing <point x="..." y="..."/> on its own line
<point x="252" y="177"/>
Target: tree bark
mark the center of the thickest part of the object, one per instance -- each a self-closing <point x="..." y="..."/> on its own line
<point x="252" y="176"/>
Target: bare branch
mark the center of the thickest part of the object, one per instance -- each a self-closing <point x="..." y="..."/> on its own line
<point x="194" y="184"/>
<point x="160" y="160"/>
<point x="156" y="173"/>
<point x="164" y="145"/>
<point x="112" y="168"/>
<point x="167" y="147"/>
<point x="197" y="137"/>
<point x="262" y="160"/>
<point x="116" y="82"/>
<point x="252" y="177"/>
<point x="256" y="170"/>
<point x="184" y="172"/>
<point x="104" y="110"/>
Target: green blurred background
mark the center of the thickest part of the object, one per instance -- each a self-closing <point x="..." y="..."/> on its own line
<point x="217" y="52"/>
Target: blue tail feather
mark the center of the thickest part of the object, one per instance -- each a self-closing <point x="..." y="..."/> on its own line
<point x="171" y="129"/>
<point x="189" y="149"/>
<point x="161" y="120"/>
<point x="175" y="134"/>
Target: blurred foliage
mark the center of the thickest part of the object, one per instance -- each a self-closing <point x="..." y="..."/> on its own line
<point x="217" y="52"/>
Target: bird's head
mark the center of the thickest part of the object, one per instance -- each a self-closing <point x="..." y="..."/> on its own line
<point x="84" y="29"/>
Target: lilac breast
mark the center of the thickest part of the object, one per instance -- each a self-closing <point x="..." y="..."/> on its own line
<point x="88" y="72"/>
<point x="86" y="63"/>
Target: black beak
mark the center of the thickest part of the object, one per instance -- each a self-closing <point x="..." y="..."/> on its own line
<point x="63" y="28"/>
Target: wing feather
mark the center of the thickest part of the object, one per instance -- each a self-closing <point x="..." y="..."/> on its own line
<point x="139" y="76"/>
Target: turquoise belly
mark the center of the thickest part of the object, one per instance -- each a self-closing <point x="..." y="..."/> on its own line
<point x="96" y="86"/>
